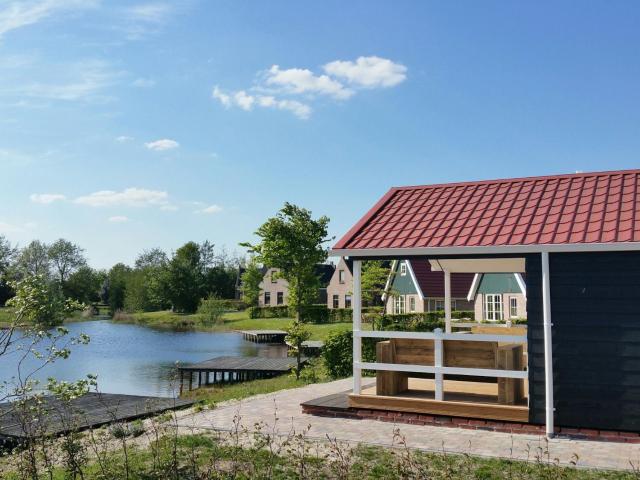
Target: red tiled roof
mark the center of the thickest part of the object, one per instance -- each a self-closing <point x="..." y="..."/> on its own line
<point x="432" y="282"/>
<point x="582" y="208"/>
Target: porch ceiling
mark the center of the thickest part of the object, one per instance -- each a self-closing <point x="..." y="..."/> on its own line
<point x="479" y="265"/>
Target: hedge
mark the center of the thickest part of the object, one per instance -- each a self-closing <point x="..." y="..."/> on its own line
<point x="269" y="312"/>
<point x="337" y="353"/>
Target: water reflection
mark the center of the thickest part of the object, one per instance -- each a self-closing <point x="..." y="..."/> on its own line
<point x="138" y="360"/>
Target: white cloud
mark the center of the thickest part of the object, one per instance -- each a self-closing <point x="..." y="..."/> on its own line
<point x="211" y="209"/>
<point x="162" y="145"/>
<point x="46" y="198"/>
<point x="247" y="102"/>
<point x="368" y="72"/>
<point x="118" y="219"/>
<point x="9" y="228"/>
<point x="18" y="14"/>
<point x="145" y="19"/>
<point x="143" y="83"/>
<point x="130" y="197"/>
<point x="280" y="89"/>
<point x="302" y="80"/>
<point x="169" y="208"/>
<point x="124" y="139"/>
<point x="82" y="80"/>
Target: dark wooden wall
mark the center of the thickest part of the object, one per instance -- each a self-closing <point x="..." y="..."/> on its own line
<point x="595" y="310"/>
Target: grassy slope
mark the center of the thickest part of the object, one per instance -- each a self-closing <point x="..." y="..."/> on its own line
<point x="231" y="321"/>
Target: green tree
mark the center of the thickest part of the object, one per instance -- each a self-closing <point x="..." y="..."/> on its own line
<point x="7" y="257"/>
<point x="293" y="242"/>
<point x="66" y="258"/>
<point x="84" y="284"/>
<point x="34" y="260"/>
<point x="374" y="278"/>
<point x="185" y="278"/>
<point x="297" y="334"/>
<point x="40" y="302"/>
<point x="117" y="286"/>
<point x="146" y="288"/>
<point x="251" y="279"/>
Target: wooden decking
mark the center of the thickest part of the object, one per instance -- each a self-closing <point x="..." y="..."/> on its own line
<point x="264" y="336"/>
<point x="90" y="410"/>
<point x="235" y="369"/>
<point x="461" y="399"/>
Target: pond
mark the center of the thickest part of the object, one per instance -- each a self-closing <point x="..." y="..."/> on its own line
<point x="138" y="360"/>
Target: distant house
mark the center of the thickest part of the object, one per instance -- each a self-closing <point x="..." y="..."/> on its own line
<point x="498" y="296"/>
<point x="274" y="290"/>
<point x="416" y="288"/>
<point x="241" y="271"/>
<point x="340" y="286"/>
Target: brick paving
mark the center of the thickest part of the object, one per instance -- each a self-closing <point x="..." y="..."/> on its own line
<point x="286" y="404"/>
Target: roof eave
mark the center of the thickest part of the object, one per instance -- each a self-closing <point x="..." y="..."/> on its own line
<point x="486" y="249"/>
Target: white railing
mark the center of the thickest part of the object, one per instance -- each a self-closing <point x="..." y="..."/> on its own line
<point x="438" y="369"/>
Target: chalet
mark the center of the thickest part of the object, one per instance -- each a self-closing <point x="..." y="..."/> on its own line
<point x="498" y="296"/>
<point x="416" y="287"/>
<point x="274" y="290"/>
<point x="576" y="241"/>
<point x="340" y="286"/>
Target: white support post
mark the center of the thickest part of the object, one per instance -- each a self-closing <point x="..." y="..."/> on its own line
<point x="438" y="360"/>
<point x="548" y="345"/>
<point x="447" y="300"/>
<point x="357" y="320"/>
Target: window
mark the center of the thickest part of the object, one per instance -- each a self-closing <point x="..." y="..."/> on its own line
<point x="513" y="307"/>
<point x="341" y="276"/>
<point x="274" y="276"/>
<point x="436" y="305"/>
<point x="492" y="307"/>
<point x="412" y="304"/>
<point x="347" y="301"/>
<point x="267" y="298"/>
<point x="403" y="269"/>
<point x="398" y="306"/>
<point x="336" y="301"/>
<point x="280" y="298"/>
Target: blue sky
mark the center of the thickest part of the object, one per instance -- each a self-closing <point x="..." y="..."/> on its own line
<point x="130" y="125"/>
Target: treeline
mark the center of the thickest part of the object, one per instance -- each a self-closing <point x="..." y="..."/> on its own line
<point x="157" y="281"/>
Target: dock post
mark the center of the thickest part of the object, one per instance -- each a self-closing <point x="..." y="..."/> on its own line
<point x="181" y="380"/>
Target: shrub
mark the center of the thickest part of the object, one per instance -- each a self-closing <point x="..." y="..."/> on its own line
<point x="313" y="314"/>
<point x="337" y="353"/>
<point x="269" y="312"/>
<point x="340" y="315"/>
<point x="212" y="309"/>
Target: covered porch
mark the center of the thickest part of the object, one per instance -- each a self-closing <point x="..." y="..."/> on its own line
<point x="468" y="370"/>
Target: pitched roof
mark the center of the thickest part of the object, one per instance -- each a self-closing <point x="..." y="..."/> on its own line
<point x="324" y="272"/>
<point x="432" y="283"/>
<point x="602" y="207"/>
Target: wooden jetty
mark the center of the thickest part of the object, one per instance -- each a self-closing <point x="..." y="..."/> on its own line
<point x="264" y="336"/>
<point x="88" y="411"/>
<point x="234" y="369"/>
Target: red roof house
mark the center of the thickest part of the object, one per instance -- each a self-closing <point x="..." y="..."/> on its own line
<point x="575" y="239"/>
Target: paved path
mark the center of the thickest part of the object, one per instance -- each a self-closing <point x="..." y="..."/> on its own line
<point x="261" y="408"/>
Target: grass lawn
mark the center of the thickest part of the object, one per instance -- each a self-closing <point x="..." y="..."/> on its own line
<point x="231" y="321"/>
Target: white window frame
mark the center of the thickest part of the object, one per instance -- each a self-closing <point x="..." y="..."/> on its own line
<point x="412" y="304"/>
<point x="348" y="301"/>
<point x="403" y="269"/>
<point x="267" y="298"/>
<point x="279" y="298"/>
<point x="513" y="307"/>
<point x="493" y="307"/>
<point x="398" y="305"/>
<point x="341" y="276"/>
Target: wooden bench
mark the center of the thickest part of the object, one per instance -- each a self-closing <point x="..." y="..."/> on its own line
<point x="466" y="354"/>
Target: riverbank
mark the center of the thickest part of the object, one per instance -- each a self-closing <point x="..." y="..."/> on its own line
<point x="231" y="321"/>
